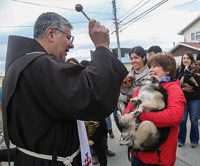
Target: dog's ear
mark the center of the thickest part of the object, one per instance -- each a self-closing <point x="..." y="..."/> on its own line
<point x="196" y="67"/>
<point x="132" y="80"/>
<point x="154" y="79"/>
<point x="122" y="87"/>
<point x="119" y="114"/>
<point x="190" y="67"/>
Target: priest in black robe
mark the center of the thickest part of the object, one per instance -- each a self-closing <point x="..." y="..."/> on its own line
<point x="44" y="96"/>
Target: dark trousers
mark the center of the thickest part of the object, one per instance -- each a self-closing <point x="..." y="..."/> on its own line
<point x="137" y="162"/>
<point x="4" y="154"/>
<point x="99" y="149"/>
<point x="192" y="108"/>
<point x="117" y="120"/>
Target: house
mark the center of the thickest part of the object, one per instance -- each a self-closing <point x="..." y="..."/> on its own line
<point x="191" y="34"/>
<point x="125" y="56"/>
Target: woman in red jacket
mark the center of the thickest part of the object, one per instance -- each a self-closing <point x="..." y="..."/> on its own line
<point x="164" y="66"/>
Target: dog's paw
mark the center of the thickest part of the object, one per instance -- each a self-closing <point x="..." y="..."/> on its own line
<point x="127" y="142"/>
<point x="133" y="101"/>
<point x="136" y="113"/>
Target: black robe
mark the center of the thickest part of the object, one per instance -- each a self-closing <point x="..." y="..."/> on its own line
<point x="43" y="101"/>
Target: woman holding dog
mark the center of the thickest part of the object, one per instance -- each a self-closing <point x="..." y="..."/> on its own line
<point x="192" y="95"/>
<point x="139" y="70"/>
<point x="139" y="62"/>
<point x="164" y="66"/>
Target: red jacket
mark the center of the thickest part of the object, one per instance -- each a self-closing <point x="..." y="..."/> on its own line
<point x="169" y="117"/>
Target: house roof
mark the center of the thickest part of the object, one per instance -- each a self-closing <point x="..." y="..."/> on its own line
<point x="192" y="45"/>
<point x="190" y="24"/>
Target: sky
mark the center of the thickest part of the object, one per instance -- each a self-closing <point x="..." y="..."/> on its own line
<point x="136" y="26"/>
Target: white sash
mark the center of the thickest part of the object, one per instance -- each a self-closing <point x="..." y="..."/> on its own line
<point x="84" y="146"/>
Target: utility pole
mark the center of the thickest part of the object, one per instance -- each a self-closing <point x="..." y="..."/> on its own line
<point x="116" y="27"/>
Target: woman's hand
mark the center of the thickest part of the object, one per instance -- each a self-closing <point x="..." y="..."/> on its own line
<point x="188" y="88"/>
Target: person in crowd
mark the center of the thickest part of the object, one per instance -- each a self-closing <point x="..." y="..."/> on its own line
<point x="198" y="58"/>
<point x="163" y="66"/>
<point x="45" y="100"/>
<point x="198" y="62"/>
<point x="139" y="70"/>
<point x="3" y="149"/>
<point x="153" y="50"/>
<point x="192" y="108"/>
<point x="99" y="149"/>
<point x="73" y="60"/>
<point x="109" y="126"/>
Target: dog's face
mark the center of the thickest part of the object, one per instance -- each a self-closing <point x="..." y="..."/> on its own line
<point x="148" y="80"/>
<point x="128" y="81"/>
<point x="193" y="68"/>
<point x="126" y="119"/>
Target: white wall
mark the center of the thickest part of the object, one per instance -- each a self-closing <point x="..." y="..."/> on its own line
<point x="178" y="60"/>
<point x="192" y="29"/>
<point x="128" y="66"/>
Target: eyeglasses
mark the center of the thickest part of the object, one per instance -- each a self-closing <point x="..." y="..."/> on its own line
<point x="69" y="37"/>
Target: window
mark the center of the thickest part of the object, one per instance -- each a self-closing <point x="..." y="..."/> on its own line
<point x="198" y="35"/>
<point x="192" y="36"/>
<point x="195" y="36"/>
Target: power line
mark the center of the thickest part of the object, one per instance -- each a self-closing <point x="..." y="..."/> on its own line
<point x="85" y="51"/>
<point x="135" y="10"/>
<point x="57" y="7"/>
<point x="144" y="14"/>
<point x="30" y="26"/>
<point x="168" y="10"/>
<point x="173" y="8"/>
<point x="167" y="16"/>
<point x="131" y="8"/>
<point x="17" y="26"/>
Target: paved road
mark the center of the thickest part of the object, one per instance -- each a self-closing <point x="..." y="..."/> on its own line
<point x="186" y="156"/>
